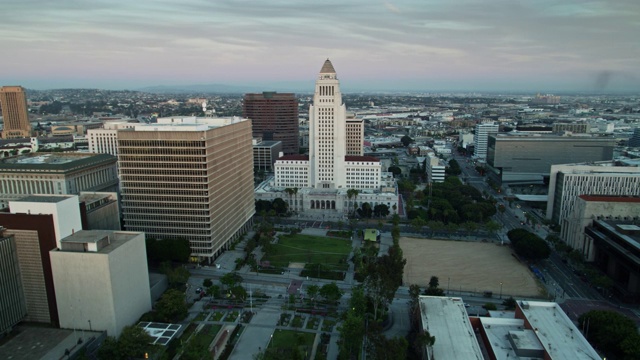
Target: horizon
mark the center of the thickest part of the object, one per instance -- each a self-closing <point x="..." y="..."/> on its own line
<point x="390" y="46"/>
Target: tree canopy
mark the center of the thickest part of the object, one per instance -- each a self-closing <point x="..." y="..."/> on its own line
<point x="175" y="250"/>
<point x="528" y="245"/>
<point x="613" y="333"/>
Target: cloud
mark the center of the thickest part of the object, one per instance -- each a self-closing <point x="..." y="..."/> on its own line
<point x="286" y="39"/>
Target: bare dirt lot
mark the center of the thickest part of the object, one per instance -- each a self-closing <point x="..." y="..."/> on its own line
<point x="467" y="266"/>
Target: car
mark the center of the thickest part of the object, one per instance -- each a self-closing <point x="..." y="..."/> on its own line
<point x="198" y="290"/>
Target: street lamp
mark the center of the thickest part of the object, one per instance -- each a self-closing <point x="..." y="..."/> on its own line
<point x="500" y="289"/>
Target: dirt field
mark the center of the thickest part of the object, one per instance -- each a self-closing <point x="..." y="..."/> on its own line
<point x="466" y="266"/>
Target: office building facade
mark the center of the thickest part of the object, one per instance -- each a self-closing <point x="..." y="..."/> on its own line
<point x="527" y="159"/>
<point x="15" y="113"/>
<point x="617" y="254"/>
<point x="568" y="181"/>
<point x="274" y="117"/>
<point x="265" y="154"/>
<point x="188" y="178"/>
<point x="56" y="173"/>
<point x="13" y="308"/>
<point x="589" y="208"/>
<point x="481" y="138"/>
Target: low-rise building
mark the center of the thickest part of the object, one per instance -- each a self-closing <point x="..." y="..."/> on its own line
<point x="446" y="318"/>
<point x="56" y="173"/>
<point x="536" y="330"/>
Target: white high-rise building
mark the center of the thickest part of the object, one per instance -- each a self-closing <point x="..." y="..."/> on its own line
<point x="335" y="163"/>
<point x="105" y="141"/>
<point x="481" y="139"/>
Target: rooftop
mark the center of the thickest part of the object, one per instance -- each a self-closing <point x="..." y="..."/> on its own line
<point x="605" y="198"/>
<point x="99" y="241"/>
<point x="327" y="68"/>
<point x="53" y="161"/>
<point x="557" y="333"/>
<point x="446" y="318"/>
<point x="44" y="198"/>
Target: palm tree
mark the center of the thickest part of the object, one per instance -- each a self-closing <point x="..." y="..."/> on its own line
<point x="289" y="192"/>
<point x="353" y="193"/>
<point x="295" y="194"/>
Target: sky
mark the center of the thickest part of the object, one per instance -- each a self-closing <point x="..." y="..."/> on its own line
<point x="413" y="45"/>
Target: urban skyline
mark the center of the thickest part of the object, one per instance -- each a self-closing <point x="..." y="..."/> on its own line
<point x="388" y="45"/>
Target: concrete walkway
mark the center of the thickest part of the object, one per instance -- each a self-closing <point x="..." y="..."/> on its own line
<point x="257" y="335"/>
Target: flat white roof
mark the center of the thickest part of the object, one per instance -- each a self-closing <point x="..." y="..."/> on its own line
<point x="446" y="318"/>
<point x="557" y="333"/>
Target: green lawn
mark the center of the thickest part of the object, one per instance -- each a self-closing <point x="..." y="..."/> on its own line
<point x="328" y="324"/>
<point x="217" y="315"/>
<point x="331" y="252"/>
<point x="201" y="317"/>
<point x="285" y="341"/>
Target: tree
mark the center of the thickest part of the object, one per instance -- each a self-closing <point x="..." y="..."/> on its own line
<point x="351" y="335"/>
<point x="133" y="342"/>
<point x="312" y="291"/>
<point x="434" y="287"/>
<point x="177" y="277"/>
<point x="280" y="206"/>
<point x="492" y="227"/>
<point x="613" y="333"/>
<point x="330" y="292"/>
<point x="395" y="170"/>
<point x="406" y="140"/>
<point x="528" y="245"/>
<point x="207" y="283"/>
<point x="230" y="280"/>
<point x="509" y="303"/>
<point x="172" y="306"/>
<point x="490" y="306"/>
<point x="417" y="224"/>
<point x="109" y="349"/>
<point x="365" y="210"/>
<point x="381" y="210"/>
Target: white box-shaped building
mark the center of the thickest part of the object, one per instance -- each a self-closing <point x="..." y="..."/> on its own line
<point x="101" y="280"/>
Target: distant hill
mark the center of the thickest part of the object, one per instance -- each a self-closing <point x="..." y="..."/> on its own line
<point x="228" y="89"/>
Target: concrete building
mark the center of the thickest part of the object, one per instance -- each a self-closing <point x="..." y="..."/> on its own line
<point x="101" y="280"/>
<point x="15" y="114"/>
<point x="105" y="140"/>
<point x="536" y="330"/>
<point x="568" y="181"/>
<point x="446" y="318"/>
<point x="274" y="117"/>
<point x="13" y="307"/>
<point x="588" y="208"/>
<point x="265" y="154"/>
<point x="481" y="139"/>
<point x="56" y="173"/>
<point x="617" y="254"/>
<point x="100" y="211"/>
<point x="37" y="224"/>
<point x="354" y="136"/>
<point x="634" y="140"/>
<point x="328" y="172"/>
<point x="435" y="168"/>
<point x="576" y="128"/>
<point x="526" y="159"/>
<point x="188" y="178"/>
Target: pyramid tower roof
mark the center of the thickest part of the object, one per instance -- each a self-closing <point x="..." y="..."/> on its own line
<point x="327" y="68"/>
